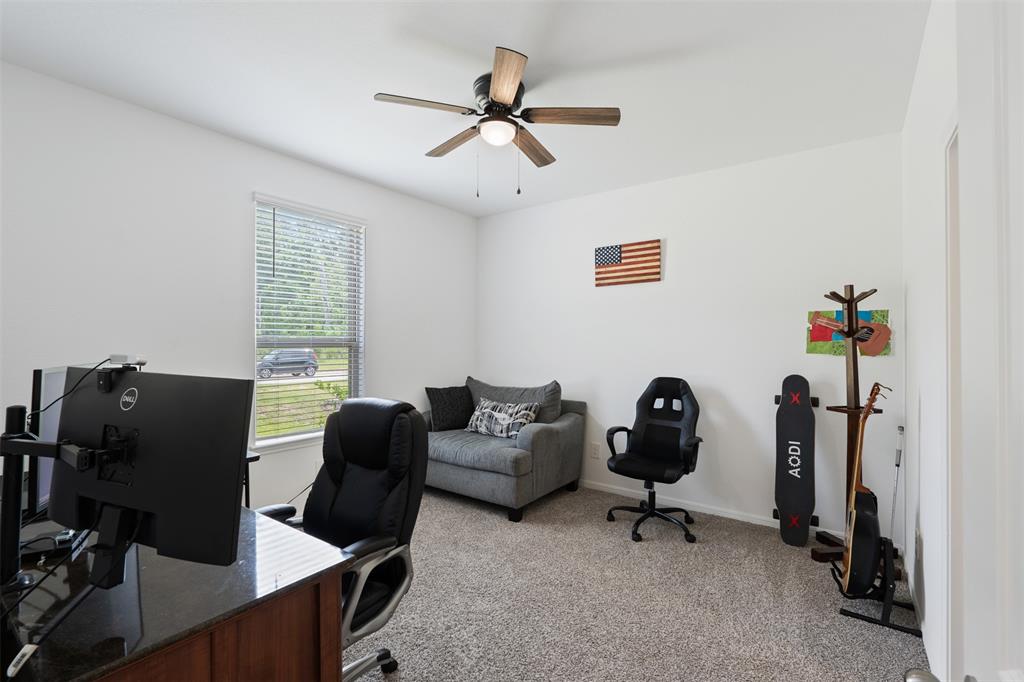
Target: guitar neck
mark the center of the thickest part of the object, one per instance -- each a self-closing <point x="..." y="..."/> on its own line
<point x="829" y="322"/>
<point x="857" y="482"/>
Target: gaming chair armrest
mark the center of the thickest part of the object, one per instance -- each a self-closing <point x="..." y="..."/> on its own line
<point x="693" y="441"/>
<point x="611" y="437"/>
<point x="278" y="512"/>
<point x="367" y="546"/>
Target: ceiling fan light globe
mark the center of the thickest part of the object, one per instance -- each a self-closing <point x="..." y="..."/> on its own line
<point x="497" y="132"/>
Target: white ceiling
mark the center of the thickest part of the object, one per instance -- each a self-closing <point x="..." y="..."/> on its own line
<point x="701" y="85"/>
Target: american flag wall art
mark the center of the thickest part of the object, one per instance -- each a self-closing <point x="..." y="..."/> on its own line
<point x="627" y="263"/>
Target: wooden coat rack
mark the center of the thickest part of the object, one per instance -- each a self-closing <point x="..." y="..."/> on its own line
<point x="833" y="549"/>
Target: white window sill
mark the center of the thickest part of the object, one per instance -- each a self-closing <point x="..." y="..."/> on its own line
<point x="270" y="446"/>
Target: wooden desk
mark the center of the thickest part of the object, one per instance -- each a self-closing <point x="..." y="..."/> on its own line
<point x="272" y="615"/>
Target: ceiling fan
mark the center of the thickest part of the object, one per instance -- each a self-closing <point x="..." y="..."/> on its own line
<point x="499" y="95"/>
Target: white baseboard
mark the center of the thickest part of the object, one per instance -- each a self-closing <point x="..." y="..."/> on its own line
<point x="692" y="506"/>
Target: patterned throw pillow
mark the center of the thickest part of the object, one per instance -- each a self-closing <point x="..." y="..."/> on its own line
<point x="501" y="419"/>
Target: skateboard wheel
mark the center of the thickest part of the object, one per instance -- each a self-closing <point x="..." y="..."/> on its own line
<point x="610" y="517"/>
<point x="636" y="537"/>
<point x="691" y="538"/>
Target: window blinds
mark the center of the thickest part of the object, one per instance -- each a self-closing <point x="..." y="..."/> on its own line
<point x="309" y="317"/>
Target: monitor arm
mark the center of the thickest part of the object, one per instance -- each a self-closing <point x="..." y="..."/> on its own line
<point x="25" y="444"/>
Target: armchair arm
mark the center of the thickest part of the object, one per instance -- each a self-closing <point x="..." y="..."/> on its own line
<point x="611" y="437"/>
<point x="367" y="546"/>
<point x="426" y="418"/>
<point x="534" y="436"/>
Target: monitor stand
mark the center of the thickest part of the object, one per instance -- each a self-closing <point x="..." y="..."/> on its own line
<point x="11" y="577"/>
<point x="117" y="530"/>
<point x="117" y="526"/>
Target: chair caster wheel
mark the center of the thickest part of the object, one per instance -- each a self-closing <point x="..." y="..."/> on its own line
<point x="610" y="517"/>
<point x="691" y="538"/>
<point x="636" y="537"/>
<point x="389" y="667"/>
<point x="688" y="519"/>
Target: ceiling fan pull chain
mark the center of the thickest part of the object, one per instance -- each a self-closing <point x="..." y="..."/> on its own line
<point x="519" y="155"/>
<point x="478" y="172"/>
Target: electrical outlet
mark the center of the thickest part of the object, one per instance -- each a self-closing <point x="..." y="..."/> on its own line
<point x="595" y="451"/>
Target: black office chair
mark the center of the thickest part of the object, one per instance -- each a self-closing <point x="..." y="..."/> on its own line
<point x="365" y="499"/>
<point x="661" y="447"/>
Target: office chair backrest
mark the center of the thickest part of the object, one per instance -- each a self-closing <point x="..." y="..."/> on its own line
<point x="666" y="415"/>
<point x="371" y="482"/>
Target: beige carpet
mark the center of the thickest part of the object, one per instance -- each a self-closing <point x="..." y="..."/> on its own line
<point x="565" y="595"/>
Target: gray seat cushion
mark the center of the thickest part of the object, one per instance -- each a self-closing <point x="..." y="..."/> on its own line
<point x="476" y="451"/>
<point x="549" y="396"/>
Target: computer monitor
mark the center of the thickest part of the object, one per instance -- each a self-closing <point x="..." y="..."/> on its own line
<point x="167" y="467"/>
<point x="47" y="385"/>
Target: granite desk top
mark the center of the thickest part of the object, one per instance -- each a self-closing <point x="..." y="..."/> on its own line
<point x="162" y="600"/>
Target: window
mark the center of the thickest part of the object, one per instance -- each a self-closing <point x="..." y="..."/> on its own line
<point x="309" y="317"/>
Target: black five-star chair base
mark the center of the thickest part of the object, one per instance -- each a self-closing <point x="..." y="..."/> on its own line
<point x="649" y="510"/>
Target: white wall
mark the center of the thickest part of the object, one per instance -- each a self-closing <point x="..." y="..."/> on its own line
<point x="748" y="250"/>
<point x="930" y="121"/>
<point x="990" y="89"/>
<point x="128" y="231"/>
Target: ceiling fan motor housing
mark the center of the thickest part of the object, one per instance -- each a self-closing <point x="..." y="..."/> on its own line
<point x="482" y="90"/>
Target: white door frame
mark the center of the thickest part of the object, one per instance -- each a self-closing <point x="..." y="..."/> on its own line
<point x="953" y="463"/>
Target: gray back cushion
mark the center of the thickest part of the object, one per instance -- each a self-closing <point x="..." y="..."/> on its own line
<point x="549" y="396"/>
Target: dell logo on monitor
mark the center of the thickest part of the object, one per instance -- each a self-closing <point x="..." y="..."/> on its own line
<point x="128" y="399"/>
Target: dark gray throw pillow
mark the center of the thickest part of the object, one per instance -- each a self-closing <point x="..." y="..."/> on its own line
<point x="450" y="408"/>
<point x="549" y="396"/>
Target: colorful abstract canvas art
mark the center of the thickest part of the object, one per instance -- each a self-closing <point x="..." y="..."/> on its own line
<point x="824" y="335"/>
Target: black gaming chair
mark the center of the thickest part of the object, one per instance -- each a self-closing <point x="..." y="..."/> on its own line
<point x="365" y="500"/>
<point x="661" y="447"/>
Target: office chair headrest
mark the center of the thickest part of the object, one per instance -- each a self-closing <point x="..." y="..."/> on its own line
<point x="365" y="429"/>
<point x="667" y="390"/>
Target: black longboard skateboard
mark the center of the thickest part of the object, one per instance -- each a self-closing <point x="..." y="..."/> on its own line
<point x="794" y="460"/>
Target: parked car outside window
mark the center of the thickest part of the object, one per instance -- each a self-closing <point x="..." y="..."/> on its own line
<point x="294" y="361"/>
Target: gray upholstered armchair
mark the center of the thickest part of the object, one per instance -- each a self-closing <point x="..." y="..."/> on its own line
<point x="511" y="472"/>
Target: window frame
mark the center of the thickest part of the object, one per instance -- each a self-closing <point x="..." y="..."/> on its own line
<point x="356" y="378"/>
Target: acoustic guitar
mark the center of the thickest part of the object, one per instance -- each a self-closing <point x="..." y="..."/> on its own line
<point x="862" y="550"/>
<point x="871" y="336"/>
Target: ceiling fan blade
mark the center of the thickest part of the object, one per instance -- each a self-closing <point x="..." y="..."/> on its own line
<point x="506" y="75"/>
<point x="532" y="148"/>
<point x="448" y="145"/>
<point x="425" y="103"/>
<point x="582" y="116"/>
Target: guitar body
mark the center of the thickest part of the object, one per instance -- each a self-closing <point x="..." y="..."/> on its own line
<point x="872" y="338"/>
<point x="863" y="545"/>
<point x="862" y="551"/>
